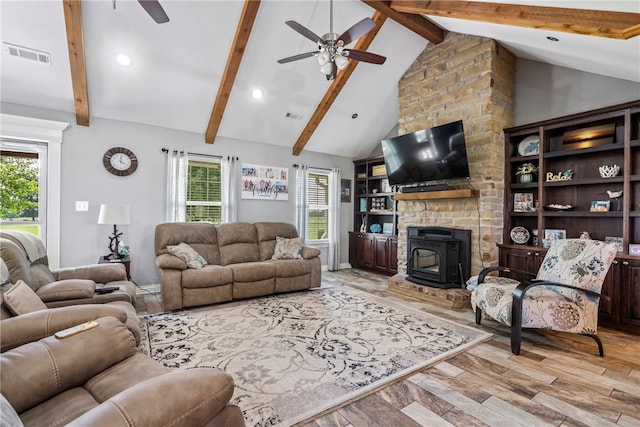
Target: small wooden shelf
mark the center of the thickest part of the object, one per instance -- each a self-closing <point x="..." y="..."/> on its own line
<point x="465" y="193"/>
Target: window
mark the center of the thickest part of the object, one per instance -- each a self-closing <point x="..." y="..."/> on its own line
<point x="23" y="188"/>
<point x="204" y="191"/>
<point x="318" y="199"/>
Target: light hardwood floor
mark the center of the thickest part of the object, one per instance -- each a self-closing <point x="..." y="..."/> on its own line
<point x="557" y="380"/>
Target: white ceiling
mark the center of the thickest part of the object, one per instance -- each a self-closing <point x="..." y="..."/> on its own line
<point x="177" y="66"/>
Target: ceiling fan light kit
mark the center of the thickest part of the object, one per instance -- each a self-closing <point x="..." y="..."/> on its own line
<point x="332" y="54"/>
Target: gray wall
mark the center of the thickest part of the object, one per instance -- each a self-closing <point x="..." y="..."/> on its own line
<point x="546" y="91"/>
<point x="84" y="178"/>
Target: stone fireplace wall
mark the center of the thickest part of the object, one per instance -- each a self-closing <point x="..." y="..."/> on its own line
<point x="473" y="79"/>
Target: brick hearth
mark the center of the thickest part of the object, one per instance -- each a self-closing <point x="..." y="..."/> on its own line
<point x="451" y="298"/>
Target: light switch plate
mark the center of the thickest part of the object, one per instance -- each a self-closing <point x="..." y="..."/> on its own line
<point x="82" y="206"/>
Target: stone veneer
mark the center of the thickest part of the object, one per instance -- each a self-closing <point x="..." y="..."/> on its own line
<point x="473" y="79"/>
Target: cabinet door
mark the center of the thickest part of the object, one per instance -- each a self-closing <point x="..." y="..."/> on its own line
<point x="630" y="297"/>
<point x="393" y="254"/>
<point x="365" y="251"/>
<point x="353" y="250"/>
<point x="381" y="253"/>
<point x="520" y="259"/>
<point x="608" y="307"/>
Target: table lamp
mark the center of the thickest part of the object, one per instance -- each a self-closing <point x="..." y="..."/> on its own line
<point x="116" y="215"/>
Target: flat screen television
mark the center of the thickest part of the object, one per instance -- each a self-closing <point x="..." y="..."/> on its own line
<point x="425" y="157"/>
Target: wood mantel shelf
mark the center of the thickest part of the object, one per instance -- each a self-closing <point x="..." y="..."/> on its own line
<point x="465" y="193"/>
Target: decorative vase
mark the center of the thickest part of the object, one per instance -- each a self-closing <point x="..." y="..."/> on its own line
<point x="526" y="178"/>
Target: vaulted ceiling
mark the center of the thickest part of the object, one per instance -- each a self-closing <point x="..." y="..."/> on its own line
<point x="195" y="72"/>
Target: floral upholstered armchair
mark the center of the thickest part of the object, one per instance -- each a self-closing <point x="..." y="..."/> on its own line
<point x="564" y="296"/>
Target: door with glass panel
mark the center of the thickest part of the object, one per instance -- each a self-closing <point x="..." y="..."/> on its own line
<point x="23" y="185"/>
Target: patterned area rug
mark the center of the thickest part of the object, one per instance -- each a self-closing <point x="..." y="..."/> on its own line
<point x="295" y="355"/>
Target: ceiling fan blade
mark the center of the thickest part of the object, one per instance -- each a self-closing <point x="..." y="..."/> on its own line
<point x="360" y="55"/>
<point x="296" y="57"/>
<point x="357" y="30"/>
<point x="154" y="10"/>
<point x="305" y="32"/>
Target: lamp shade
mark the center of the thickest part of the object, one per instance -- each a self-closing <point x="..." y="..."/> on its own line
<point x="114" y="214"/>
<point x="341" y="62"/>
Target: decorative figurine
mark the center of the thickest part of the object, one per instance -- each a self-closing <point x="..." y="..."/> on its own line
<point x="615" y="196"/>
<point x="526" y="172"/>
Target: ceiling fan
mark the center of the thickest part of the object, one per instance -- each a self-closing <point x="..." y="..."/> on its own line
<point x="331" y="53"/>
<point x="153" y="8"/>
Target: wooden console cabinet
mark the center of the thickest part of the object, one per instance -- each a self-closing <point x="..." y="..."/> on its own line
<point x="373" y="251"/>
<point x="576" y="146"/>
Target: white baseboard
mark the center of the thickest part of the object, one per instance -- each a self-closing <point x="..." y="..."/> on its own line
<point x="342" y="266"/>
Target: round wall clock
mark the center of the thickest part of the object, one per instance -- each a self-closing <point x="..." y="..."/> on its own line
<point x="120" y="161"/>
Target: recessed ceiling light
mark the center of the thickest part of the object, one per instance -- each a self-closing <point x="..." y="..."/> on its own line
<point x="553" y="39"/>
<point x="256" y="94"/>
<point x="123" y="59"/>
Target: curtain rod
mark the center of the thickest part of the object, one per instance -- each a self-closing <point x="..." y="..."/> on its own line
<point x="296" y="166"/>
<point x="166" y="150"/>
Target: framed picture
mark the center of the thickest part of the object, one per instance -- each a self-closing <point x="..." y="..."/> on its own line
<point x="600" y="206"/>
<point x="345" y="191"/>
<point x="634" y="249"/>
<point x="616" y="240"/>
<point x="523" y="202"/>
<point x="555" y="234"/>
<point x="363" y="204"/>
<point x="264" y="182"/>
<point x="384" y="186"/>
<point x="379" y="170"/>
<point x="387" y="228"/>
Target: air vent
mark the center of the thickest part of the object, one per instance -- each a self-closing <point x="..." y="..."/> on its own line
<point x="293" y="116"/>
<point x="27" y="53"/>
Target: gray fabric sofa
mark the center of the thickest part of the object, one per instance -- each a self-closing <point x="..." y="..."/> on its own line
<point x="238" y="263"/>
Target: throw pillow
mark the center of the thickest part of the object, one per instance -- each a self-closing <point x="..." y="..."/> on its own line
<point x="287" y="248"/>
<point x="187" y="254"/>
<point x="21" y="299"/>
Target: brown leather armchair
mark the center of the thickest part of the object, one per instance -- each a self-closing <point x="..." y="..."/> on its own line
<point x="26" y="260"/>
<point x="37" y="321"/>
<point x="98" y="378"/>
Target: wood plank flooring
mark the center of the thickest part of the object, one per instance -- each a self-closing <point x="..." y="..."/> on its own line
<point x="557" y="380"/>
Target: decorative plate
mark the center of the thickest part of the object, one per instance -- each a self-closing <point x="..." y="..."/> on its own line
<point x="530" y="146"/>
<point x="557" y="207"/>
<point x="519" y="235"/>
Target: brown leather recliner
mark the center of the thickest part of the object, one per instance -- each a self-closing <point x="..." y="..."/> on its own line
<point x="67" y="286"/>
<point x="31" y="323"/>
<point x="98" y="378"/>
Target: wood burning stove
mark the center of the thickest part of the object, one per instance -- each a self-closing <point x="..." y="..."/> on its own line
<point x="438" y="257"/>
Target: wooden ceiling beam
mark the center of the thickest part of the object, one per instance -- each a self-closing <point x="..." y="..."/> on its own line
<point x="416" y="23"/>
<point x="600" y="23"/>
<point x="337" y="84"/>
<point x="73" y="24"/>
<point x="240" y="40"/>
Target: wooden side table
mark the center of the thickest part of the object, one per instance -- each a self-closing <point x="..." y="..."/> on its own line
<point x="126" y="261"/>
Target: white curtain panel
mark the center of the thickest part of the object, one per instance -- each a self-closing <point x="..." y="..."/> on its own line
<point x="176" y="186"/>
<point x="302" y="206"/>
<point x="230" y="188"/>
<point x="333" y="263"/>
